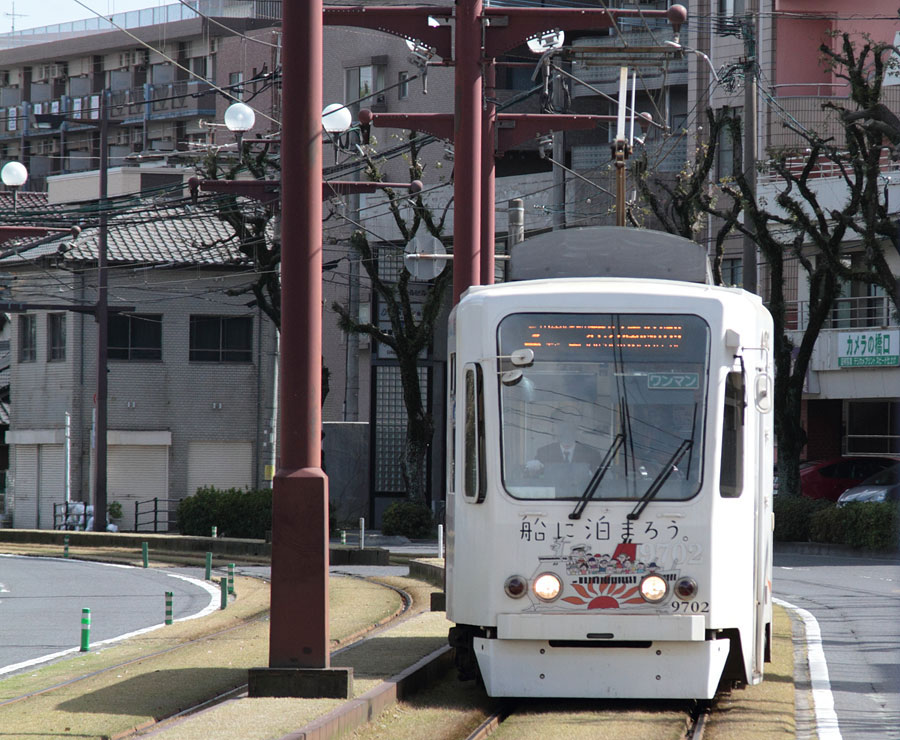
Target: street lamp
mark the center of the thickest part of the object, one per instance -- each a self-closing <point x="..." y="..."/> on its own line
<point x="336" y="119"/>
<point x="239" y="119"/>
<point x="14" y="175"/>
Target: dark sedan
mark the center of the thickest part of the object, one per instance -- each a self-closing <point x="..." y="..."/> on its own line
<point x="883" y="486"/>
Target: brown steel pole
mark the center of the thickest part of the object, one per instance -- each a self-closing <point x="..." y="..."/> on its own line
<point x="298" y="635"/>
<point x="488" y="174"/>
<point x="467" y="145"/>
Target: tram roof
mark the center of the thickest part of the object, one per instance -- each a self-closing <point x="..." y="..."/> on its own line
<point x="610" y="251"/>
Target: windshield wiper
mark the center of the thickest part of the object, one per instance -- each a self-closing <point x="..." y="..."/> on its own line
<point x="660" y="479"/>
<point x="592" y="485"/>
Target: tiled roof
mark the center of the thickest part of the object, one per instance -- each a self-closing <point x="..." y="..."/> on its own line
<point x="157" y="235"/>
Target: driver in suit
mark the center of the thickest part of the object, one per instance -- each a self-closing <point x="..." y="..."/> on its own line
<point x="566" y="448"/>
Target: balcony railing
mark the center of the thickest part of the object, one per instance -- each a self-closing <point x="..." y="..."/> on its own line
<point x="600" y="69"/>
<point x="867" y="312"/>
<point x="265" y="9"/>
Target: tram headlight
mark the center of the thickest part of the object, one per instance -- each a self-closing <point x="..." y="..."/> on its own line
<point x="685" y="588"/>
<point x="654" y="589"/>
<point x="515" y="587"/>
<point x="547" y="586"/>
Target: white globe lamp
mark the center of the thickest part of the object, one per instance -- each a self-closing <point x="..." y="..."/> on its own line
<point x="336" y="118"/>
<point x="14" y="174"/>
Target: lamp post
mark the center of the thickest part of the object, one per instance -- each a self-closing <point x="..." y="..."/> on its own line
<point x="239" y="119"/>
<point x="336" y="120"/>
<point x="14" y="176"/>
<point x="101" y="309"/>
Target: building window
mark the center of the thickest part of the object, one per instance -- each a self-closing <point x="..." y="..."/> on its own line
<point x="221" y="339"/>
<point x="135" y="337"/>
<point x="236" y="85"/>
<point x="363" y="86"/>
<point x="731" y="7"/>
<point x="56" y="337"/>
<point x="27" y="338"/>
<point x="403" y="87"/>
<point x="725" y="164"/>
<point x="733" y="272"/>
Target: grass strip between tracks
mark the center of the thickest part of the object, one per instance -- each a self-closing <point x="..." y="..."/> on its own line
<point x="451" y="710"/>
<point x="206" y="662"/>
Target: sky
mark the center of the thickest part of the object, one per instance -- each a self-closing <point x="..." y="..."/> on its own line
<point x="30" y="14"/>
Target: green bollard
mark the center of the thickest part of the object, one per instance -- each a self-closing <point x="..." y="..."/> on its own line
<point x="223" y="582"/>
<point x="215" y="532"/>
<point x="209" y="566"/>
<point x="231" y="578"/>
<point x="169" y="596"/>
<point x="85" y="630"/>
<point x="145" y="550"/>
<point x="343" y="536"/>
<point x="66" y="546"/>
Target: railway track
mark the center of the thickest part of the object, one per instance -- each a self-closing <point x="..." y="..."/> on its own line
<point x="694" y="717"/>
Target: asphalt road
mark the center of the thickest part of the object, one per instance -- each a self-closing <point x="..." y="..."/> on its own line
<point x="41" y="601"/>
<point x="856" y="602"/>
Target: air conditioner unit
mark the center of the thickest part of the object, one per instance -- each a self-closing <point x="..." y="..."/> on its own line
<point x="123" y="137"/>
<point x="214" y="45"/>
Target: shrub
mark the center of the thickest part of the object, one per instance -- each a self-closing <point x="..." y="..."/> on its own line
<point x="872" y="526"/>
<point x="407" y="519"/>
<point x="793" y="515"/>
<point x="234" y="512"/>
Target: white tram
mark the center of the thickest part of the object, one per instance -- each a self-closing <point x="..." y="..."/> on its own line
<point x="609" y="512"/>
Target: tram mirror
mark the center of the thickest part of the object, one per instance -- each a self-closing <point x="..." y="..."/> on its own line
<point x="763" y="393"/>
<point x="511" y="377"/>
<point x="522" y="357"/>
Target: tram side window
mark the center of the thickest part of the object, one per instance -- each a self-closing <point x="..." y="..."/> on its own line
<point x="731" y="477"/>
<point x="473" y="462"/>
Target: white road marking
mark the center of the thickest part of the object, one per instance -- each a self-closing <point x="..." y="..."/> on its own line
<point x="823" y="700"/>
<point x="214" y="594"/>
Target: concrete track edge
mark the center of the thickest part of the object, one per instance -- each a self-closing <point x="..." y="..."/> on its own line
<point x="366" y="707"/>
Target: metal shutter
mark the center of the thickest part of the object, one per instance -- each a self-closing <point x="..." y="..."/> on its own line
<point x="25" y="486"/>
<point x="136" y="473"/>
<point x="219" y="464"/>
<point x="52" y="482"/>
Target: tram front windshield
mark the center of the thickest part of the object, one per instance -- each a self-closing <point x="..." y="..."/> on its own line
<point x="622" y="394"/>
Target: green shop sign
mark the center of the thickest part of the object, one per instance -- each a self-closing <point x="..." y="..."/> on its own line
<point x="875" y="348"/>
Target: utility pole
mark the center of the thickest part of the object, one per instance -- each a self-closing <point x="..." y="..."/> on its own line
<point x="749" y="266"/>
<point x="101" y="316"/>
<point x="559" y="157"/>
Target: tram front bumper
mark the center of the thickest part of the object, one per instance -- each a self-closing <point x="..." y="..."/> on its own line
<point x="602" y="627"/>
<point x="662" y="670"/>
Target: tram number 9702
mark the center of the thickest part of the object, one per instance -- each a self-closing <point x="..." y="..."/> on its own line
<point x="690" y="607"/>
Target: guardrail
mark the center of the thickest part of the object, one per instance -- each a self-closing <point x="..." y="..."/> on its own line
<point x="155" y="515"/>
<point x="70" y="515"/>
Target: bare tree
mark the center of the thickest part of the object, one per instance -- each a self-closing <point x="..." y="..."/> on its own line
<point x="818" y="237"/>
<point x="683" y="203"/>
<point x="409" y="335"/>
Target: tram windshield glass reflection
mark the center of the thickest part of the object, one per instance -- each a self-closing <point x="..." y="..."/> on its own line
<point x="629" y="389"/>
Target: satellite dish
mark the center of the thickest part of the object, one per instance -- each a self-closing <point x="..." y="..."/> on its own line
<point x="432" y="260"/>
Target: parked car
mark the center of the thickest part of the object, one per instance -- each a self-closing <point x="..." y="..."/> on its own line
<point x="828" y="479"/>
<point x="883" y="486"/>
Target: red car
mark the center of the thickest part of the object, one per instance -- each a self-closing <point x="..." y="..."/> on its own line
<point x="830" y="478"/>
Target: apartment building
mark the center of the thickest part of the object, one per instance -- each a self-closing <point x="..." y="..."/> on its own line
<point x="851" y="402"/>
